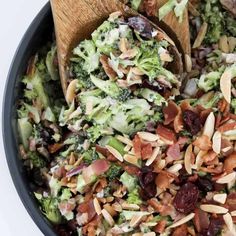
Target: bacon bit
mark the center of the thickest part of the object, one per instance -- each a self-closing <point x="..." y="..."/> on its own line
<point x="166" y="133"/>
<point x="184" y="105"/>
<point x="227" y="127"/>
<point x="160" y="227"/>
<point x="102" y="150"/>
<point x="182" y="230"/>
<point x="155" y="204"/>
<point x="92" y="224"/>
<point x="178" y="122"/>
<point x="226" y="147"/>
<point x="109" y="71"/>
<point x="204" y="114"/>
<point x="231" y="202"/>
<point x="232" y="116"/>
<point x="210" y="156"/>
<point x="170" y="112"/>
<point x="213" y="170"/>
<point x="132" y="170"/>
<point x="173" y="152"/>
<point x="164" y="179"/>
<point x="55" y="147"/>
<point x="218" y="119"/>
<point x="200" y="220"/>
<point x="230" y="163"/>
<point x="137" y="146"/>
<point x="150" y="7"/>
<point x="182" y="141"/>
<point x="222" y="104"/>
<point x="203" y="142"/>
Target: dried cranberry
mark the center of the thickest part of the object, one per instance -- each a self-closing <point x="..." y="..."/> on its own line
<point x="214" y="227"/>
<point x="141" y="25"/>
<point x="186" y="198"/>
<point x="63" y="230"/>
<point x="147" y="183"/>
<point x="205" y="184"/>
<point x="192" y="121"/>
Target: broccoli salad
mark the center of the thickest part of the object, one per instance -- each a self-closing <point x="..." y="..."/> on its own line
<point x="134" y="148"/>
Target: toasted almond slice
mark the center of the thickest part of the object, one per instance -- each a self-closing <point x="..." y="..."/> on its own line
<point x="187" y="159"/>
<point x="71" y="91"/>
<point x="107" y="217"/>
<point x="233" y="213"/>
<point x="199" y="160"/>
<point x="97" y="206"/>
<point x="150" y="137"/>
<point x="150" y="234"/>
<point x="225" y="85"/>
<point x="117" y="207"/>
<point x="229" y="222"/>
<point x="188" y="63"/>
<point x="137" y="234"/>
<point x="136" y="219"/>
<point x="164" y="56"/>
<point x="209" y="125"/>
<point x="131" y="159"/>
<point x="137" y="71"/>
<point x="227" y="179"/>
<point x="221" y="198"/>
<point x="129" y="54"/>
<point x="153" y="156"/>
<point x="125" y="140"/>
<point x="161" y="164"/>
<point x="115" y="153"/>
<point x="201" y="35"/>
<point x="175" y="168"/>
<point x="216" y="142"/>
<point x="128" y="206"/>
<point x="123" y="45"/>
<point x="127" y="148"/>
<point x="82" y="219"/>
<point x="114" y="15"/>
<point x="182" y="221"/>
<point x="213" y="209"/>
<point x="223" y="44"/>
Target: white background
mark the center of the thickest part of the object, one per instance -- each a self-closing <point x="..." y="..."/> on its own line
<point x="15" y="17"/>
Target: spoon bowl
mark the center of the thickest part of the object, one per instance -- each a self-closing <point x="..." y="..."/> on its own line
<point x="76" y="20"/>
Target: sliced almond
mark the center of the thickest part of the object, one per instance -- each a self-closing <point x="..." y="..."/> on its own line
<point x="201" y="35"/>
<point x="128" y="206"/>
<point x="97" y="206"/>
<point x="137" y="71"/>
<point x="225" y="85"/>
<point x="149" y="234"/>
<point x="89" y="107"/>
<point x="123" y="45"/>
<point x="165" y="56"/>
<point x="136" y="219"/>
<point x="117" y="207"/>
<point x="209" y="125"/>
<point x="82" y="219"/>
<point x="233" y="213"/>
<point x="150" y="137"/>
<point x="221" y="198"/>
<point x="115" y="153"/>
<point x="216" y="142"/>
<point x="199" y="160"/>
<point x="107" y="217"/>
<point x="153" y="156"/>
<point x="232" y="43"/>
<point x="223" y="44"/>
<point x="175" y="168"/>
<point x="229" y="222"/>
<point x="213" y="209"/>
<point x="187" y="159"/>
<point x="183" y="220"/>
<point x="127" y="148"/>
<point x="71" y="91"/>
<point x="125" y="140"/>
<point x="227" y="179"/>
<point x="188" y="63"/>
<point x="161" y="164"/>
<point x="131" y="159"/>
<point x="129" y="54"/>
<point x="137" y="234"/>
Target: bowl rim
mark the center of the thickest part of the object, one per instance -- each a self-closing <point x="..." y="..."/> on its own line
<point x="7" y="128"/>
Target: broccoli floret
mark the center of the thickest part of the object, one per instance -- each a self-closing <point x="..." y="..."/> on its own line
<point x="87" y="50"/>
<point x="107" y="86"/>
<point x="30" y="94"/>
<point x="233" y="105"/>
<point x="95" y="132"/>
<point x="36" y="160"/>
<point x="209" y="81"/>
<point x="66" y="194"/>
<point x="35" y="83"/>
<point x="113" y="172"/>
<point x="107" y="190"/>
<point x="152" y="96"/>
<point x="209" y="100"/>
<point x="89" y="156"/>
<point x="133" y="197"/>
<point x="106" y="37"/>
<point x="49" y="207"/>
<point x="25" y="130"/>
<point x="124" y="95"/>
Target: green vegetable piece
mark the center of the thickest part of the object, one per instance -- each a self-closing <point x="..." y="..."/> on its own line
<point x="113" y="172"/>
<point x="36" y="159"/>
<point x="34" y="112"/>
<point x="107" y="86"/>
<point x="133" y="197"/>
<point x="233" y="105"/>
<point x="115" y="143"/>
<point x="49" y="115"/>
<point x="50" y="63"/>
<point x="128" y="181"/>
<point x="55" y="186"/>
<point x="89" y="156"/>
<point x="166" y="8"/>
<point x="66" y="194"/>
<point x="209" y="81"/>
<point x="135" y="4"/>
<point x="25" y="129"/>
<point x="80" y="184"/>
<point x="179" y="9"/>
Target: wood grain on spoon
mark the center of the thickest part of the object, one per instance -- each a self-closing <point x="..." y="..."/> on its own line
<point x="75" y="20"/>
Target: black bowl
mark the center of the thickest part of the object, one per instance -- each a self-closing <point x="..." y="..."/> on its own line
<point x="37" y="35"/>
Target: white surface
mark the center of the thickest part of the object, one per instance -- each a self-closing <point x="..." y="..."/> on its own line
<point x="15" y="17"/>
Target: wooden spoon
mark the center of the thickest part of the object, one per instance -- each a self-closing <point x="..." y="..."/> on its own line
<point x="75" y="20"/>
